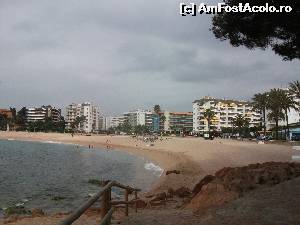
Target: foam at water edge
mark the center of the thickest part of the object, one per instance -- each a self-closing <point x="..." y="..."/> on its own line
<point x="154" y="168"/>
<point x="60" y="143"/>
<point x="52" y="142"/>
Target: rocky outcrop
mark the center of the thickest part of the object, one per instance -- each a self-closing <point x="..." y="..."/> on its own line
<point x="37" y="212"/>
<point x="207" y="179"/>
<point x="182" y="192"/>
<point x="231" y="183"/>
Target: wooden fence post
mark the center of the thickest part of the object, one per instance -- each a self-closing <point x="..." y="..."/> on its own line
<point x="106" y="204"/>
<point x="135" y="196"/>
<point x="126" y="200"/>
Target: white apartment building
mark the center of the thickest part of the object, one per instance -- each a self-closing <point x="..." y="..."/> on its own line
<point x="225" y="111"/>
<point x="35" y="114"/>
<point x="93" y="118"/>
<point x="138" y="117"/>
<point x="113" y="121"/>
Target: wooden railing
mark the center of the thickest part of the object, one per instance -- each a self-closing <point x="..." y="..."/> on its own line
<point x="107" y="204"/>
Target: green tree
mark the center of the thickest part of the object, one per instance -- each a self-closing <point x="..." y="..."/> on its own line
<point x="275" y="107"/>
<point x="126" y="127"/>
<point x="111" y="130"/>
<point x="61" y="125"/>
<point x="294" y="88"/>
<point x="279" y="31"/>
<point x="162" y="120"/>
<point x="78" y="120"/>
<point x="260" y="103"/>
<point x="48" y="125"/>
<point x="157" y="109"/>
<point x="241" y="124"/>
<point x="287" y="102"/>
<point x="21" y="119"/>
<point x="141" y="129"/>
<point x="208" y="115"/>
<point x="3" y="122"/>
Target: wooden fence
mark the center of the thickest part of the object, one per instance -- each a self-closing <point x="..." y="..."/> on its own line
<point x="107" y="203"/>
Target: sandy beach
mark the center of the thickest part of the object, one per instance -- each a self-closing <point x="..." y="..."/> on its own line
<point x="210" y="155"/>
<point x="194" y="157"/>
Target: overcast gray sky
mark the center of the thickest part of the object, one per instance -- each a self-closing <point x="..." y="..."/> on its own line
<point x="123" y="55"/>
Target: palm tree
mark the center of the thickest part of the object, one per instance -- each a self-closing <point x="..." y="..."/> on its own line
<point x="294" y="88"/>
<point x="156" y="119"/>
<point x="156" y="109"/>
<point x="78" y="120"/>
<point x="208" y="115"/>
<point x="260" y="103"/>
<point x="163" y="119"/>
<point x="287" y="102"/>
<point x="275" y="105"/>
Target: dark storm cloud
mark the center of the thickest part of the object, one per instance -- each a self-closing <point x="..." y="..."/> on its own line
<point x="123" y="55"/>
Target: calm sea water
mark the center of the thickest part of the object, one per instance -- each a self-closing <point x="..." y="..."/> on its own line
<point x="38" y="173"/>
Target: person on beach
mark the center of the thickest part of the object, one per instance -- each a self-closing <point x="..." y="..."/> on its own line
<point x="107" y="144"/>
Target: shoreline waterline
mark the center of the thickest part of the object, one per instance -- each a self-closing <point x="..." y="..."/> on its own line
<point x="165" y="159"/>
<point x="151" y="165"/>
<point x="49" y="150"/>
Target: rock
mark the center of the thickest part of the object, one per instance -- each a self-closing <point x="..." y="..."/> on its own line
<point x="37" y="212"/>
<point x="172" y="171"/>
<point x="213" y="194"/>
<point x="158" y="199"/>
<point x="158" y="203"/>
<point x="207" y="179"/>
<point x="141" y="204"/>
<point x="170" y="193"/>
<point x="182" y="192"/>
<point x="159" y="196"/>
<point x="231" y="183"/>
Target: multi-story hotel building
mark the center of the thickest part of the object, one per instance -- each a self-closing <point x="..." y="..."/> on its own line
<point x="113" y="121"/>
<point x="174" y="121"/>
<point x="93" y="118"/>
<point x="225" y="111"/>
<point x="177" y="121"/>
<point x="34" y="114"/>
<point x="139" y="117"/>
